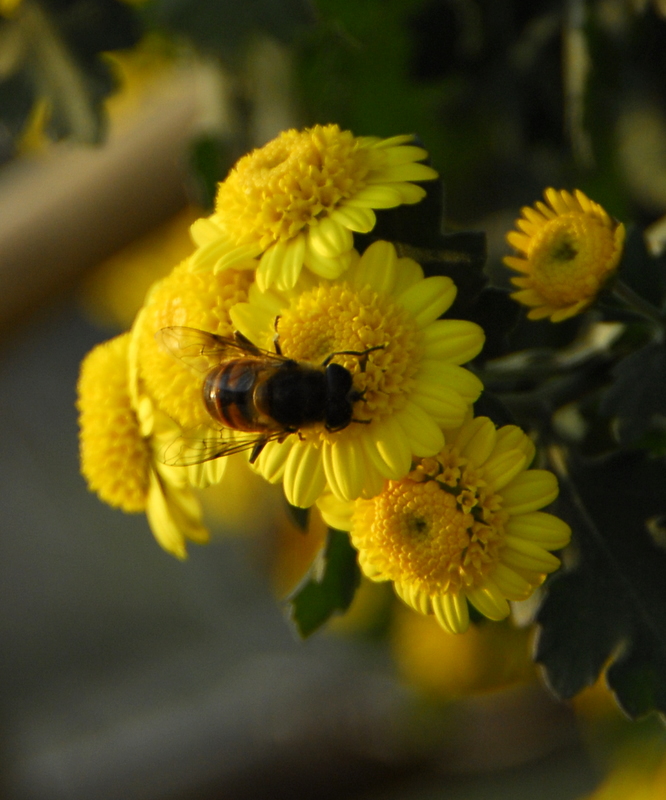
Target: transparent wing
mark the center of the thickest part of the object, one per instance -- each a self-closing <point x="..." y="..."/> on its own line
<point x="186" y="451"/>
<point x="203" y="351"/>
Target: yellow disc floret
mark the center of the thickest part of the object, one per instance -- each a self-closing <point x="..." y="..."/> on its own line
<point x="115" y="459"/>
<point x="570" y="248"/>
<point x="462" y="525"/>
<point x="196" y="300"/>
<point x="297" y="201"/>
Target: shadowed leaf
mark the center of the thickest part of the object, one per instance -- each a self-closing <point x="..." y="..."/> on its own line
<point x="329" y="588"/>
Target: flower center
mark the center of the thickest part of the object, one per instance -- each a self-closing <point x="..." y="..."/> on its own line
<point x="291" y="182"/>
<point x="333" y="318"/>
<point x="440" y="528"/>
<point x="571" y="255"/>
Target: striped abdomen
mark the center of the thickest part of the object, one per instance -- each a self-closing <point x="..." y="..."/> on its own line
<point x="229" y="394"/>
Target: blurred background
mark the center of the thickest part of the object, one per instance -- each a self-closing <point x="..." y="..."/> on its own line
<point x="128" y="674"/>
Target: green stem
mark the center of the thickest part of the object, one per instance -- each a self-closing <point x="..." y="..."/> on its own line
<point x="636" y="303"/>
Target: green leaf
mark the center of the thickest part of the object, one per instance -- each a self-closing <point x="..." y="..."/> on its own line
<point x="210" y="161"/>
<point x="611" y="606"/>
<point x="638" y="393"/>
<point x="329" y="588"/>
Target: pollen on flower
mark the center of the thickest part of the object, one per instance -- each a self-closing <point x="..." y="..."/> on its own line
<point x="196" y="300"/>
<point x="569" y="248"/>
<point x="114" y="457"/>
<point x="275" y="191"/>
<point x="423" y="533"/>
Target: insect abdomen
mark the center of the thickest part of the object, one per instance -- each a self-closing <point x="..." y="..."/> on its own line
<point x="229" y="394"/>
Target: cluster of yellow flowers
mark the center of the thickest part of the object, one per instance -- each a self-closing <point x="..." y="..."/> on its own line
<point x="337" y="375"/>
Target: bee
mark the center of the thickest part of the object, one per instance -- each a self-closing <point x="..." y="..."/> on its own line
<point x="260" y="393"/>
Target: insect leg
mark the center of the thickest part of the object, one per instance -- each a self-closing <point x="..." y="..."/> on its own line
<point x="246" y="344"/>
<point x="359" y="353"/>
<point x="276" y="337"/>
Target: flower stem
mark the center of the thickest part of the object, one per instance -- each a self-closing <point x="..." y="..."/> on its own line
<point x="636" y="303"/>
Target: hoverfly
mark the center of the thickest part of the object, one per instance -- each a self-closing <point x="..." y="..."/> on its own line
<point x="249" y="390"/>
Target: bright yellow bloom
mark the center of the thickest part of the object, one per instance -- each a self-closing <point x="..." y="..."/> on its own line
<point x="464" y="525"/>
<point x="297" y="200"/>
<point x="115" y="460"/>
<point x="196" y="300"/>
<point x="410" y="388"/>
<point x="569" y="248"/>
<point x="118" y="452"/>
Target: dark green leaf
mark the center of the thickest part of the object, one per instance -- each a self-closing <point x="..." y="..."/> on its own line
<point x="611" y="606"/>
<point x="638" y="393"/>
<point x="210" y="161"/>
<point x="645" y="274"/>
<point x="329" y="588"/>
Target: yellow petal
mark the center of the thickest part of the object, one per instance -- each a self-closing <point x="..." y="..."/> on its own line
<point x="424" y="435"/>
<point x="330" y="239"/>
<point x="503" y="467"/>
<point x="544" y="529"/>
<point x="489" y="601"/>
<point x="512" y="585"/>
<point x="336" y="513"/>
<point x="453" y="340"/>
<point x="480" y="444"/>
<point x="530" y="491"/>
<point x="392" y="447"/>
<point x="524" y="554"/>
<point x="360" y="220"/>
<point x="376" y="268"/>
<point x="376" y="197"/>
<point x="468" y="386"/>
<point x="428" y="299"/>
<point x="451" y="612"/>
<point x="304" y="478"/>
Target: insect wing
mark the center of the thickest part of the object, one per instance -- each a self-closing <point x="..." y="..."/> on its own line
<point x="186" y="451"/>
<point x="201" y="351"/>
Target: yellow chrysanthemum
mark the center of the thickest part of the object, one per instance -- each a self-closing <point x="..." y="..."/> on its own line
<point x="569" y="248"/>
<point x="117" y="453"/>
<point x="409" y="388"/>
<point x="297" y="200"/>
<point x="464" y="525"/>
<point x="196" y="300"/>
<point x="115" y="460"/>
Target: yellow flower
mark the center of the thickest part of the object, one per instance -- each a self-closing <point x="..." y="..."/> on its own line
<point x="117" y="453"/>
<point x="115" y="460"/>
<point x="408" y="389"/>
<point x="464" y="525"/>
<point x="196" y="300"/>
<point x="569" y="248"/>
<point x="297" y="200"/>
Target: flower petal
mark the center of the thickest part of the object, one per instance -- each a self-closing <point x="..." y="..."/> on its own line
<point x="376" y="268"/>
<point x="428" y="299"/>
<point x="523" y="554"/>
<point x="376" y="197"/>
<point x="530" y="491"/>
<point x="329" y="238"/>
<point x="544" y="529"/>
<point x="501" y="468"/>
<point x="512" y="585"/>
<point x="424" y="435"/>
<point x="451" y="612"/>
<point x="304" y="478"/>
<point x="453" y="340"/>
<point x="392" y="447"/>
<point x="434" y="373"/>
<point x="489" y="601"/>
<point x="360" y="220"/>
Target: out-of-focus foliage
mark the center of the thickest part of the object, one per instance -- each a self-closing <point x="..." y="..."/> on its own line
<point x="50" y="52"/>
